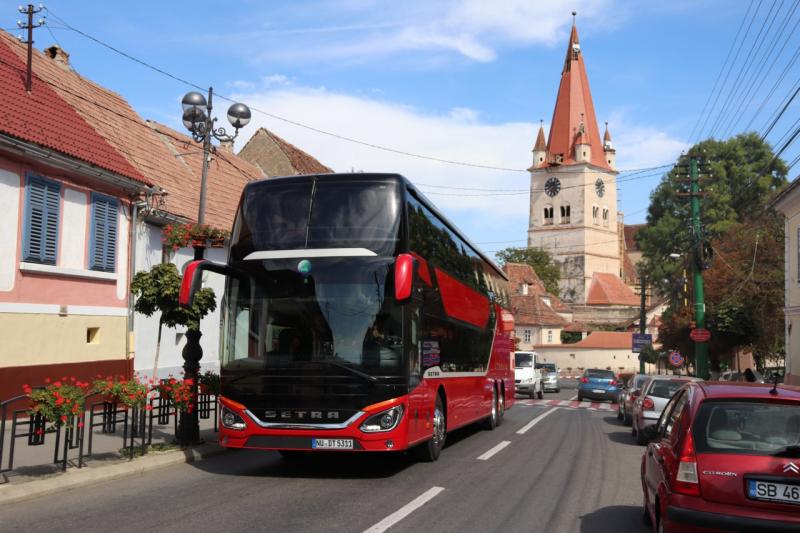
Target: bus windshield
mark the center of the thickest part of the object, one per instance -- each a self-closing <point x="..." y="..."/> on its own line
<point x="339" y="311"/>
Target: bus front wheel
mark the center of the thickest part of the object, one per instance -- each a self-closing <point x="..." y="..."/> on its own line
<point x="429" y="451"/>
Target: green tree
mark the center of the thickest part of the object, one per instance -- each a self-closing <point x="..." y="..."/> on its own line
<point x="157" y="290"/>
<point x="540" y="260"/>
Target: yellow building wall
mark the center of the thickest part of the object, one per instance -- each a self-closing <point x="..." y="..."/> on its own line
<point x="42" y="339"/>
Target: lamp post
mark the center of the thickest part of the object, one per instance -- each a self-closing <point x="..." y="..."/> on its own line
<point x="198" y="120"/>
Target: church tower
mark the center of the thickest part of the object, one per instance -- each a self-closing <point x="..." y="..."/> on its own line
<point x="573" y="201"/>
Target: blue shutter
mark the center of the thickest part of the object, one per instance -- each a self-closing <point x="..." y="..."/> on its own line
<point x="103" y="246"/>
<point x="42" y="204"/>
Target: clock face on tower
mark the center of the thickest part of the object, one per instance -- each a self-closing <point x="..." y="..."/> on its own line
<point x="552" y="187"/>
<point x="600" y="187"/>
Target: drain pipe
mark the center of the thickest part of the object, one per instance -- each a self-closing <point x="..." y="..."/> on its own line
<point x="132" y="236"/>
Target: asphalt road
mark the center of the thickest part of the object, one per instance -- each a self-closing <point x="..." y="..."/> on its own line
<point x="573" y="469"/>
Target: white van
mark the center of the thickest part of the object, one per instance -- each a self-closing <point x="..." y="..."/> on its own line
<point x="528" y="378"/>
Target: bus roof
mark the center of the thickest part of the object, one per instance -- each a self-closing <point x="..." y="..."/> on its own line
<point x="409" y="186"/>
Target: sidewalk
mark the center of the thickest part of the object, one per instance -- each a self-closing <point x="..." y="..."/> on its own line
<point x="35" y="473"/>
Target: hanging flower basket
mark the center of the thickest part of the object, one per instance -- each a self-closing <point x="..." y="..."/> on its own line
<point x="182" y="235"/>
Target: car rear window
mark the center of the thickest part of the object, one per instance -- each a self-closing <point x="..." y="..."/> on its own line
<point x="663" y="388"/>
<point x="606" y="374"/>
<point x="748" y="427"/>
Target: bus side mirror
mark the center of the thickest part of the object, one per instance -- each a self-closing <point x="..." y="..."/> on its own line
<point x="403" y="277"/>
<point x="193" y="278"/>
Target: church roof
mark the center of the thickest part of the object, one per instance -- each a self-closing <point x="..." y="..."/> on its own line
<point x="608" y="289"/>
<point x="573" y="115"/>
<point x="541" y="144"/>
<point x="630" y="231"/>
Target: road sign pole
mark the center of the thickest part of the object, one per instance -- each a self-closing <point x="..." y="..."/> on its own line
<point x="642" y="317"/>
<point x="700" y="348"/>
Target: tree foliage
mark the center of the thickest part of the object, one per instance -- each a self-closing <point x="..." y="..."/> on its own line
<point x="158" y="289"/>
<point x="744" y="241"/>
<point x="540" y="260"/>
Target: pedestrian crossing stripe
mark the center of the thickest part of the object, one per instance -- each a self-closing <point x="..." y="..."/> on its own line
<point x="571" y="404"/>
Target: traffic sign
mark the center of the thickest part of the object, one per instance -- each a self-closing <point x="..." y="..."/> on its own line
<point x="675" y="359"/>
<point x="641" y="341"/>
<point x="700" y="335"/>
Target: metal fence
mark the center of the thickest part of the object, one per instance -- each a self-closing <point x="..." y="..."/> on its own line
<point x="101" y="415"/>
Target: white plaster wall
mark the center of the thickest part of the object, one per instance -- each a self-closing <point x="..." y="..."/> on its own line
<point x="566" y="357"/>
<point x="148" y="253"/>
<point x="9" y="222"/>
<point x="73" y="229"/>
<point x="122" y="253"/>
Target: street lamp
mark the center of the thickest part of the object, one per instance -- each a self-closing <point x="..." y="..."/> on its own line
<point x="198" y="120"/>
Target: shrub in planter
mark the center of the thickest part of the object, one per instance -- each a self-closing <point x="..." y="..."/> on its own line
<point x="209" y="383"/>
<point x="130" y="392"/>
<point x="59" y="402"/>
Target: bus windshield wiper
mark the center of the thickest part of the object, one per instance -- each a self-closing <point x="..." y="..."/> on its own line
<point x="350" y="369"/>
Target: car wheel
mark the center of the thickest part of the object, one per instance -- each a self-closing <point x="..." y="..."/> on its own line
<point x="491" y="421"/>
<point x="429" y="451"/>
<point x="558" y="389"/>
<point x="640" y="440"/>
<point x="580" y="397"/>
<point x="626" y="418"/>
<point x="619" y="412"/>
<point x="533" y="392"/>
<point x="646" y="519"/>
<point x="541" y="392"/>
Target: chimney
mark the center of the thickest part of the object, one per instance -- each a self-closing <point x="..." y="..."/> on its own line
<point x="226" y="146"/>
<point x="57" y="54"/>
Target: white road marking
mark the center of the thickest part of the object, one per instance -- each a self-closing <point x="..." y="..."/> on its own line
<point x="574" y="398"/>
<point x="585" y="404"/>
<point x="404" y="511"/>
<point x="524" y="429"/>
<point x="563" y="402"/>
<point x="488" y="455"/>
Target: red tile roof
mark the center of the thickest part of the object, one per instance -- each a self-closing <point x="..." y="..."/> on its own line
<point x="574" y="108"/>
<point x="610" y="340"/>
<point x="630" y="231"/>
<point x="48" y="119"/>
<point x="577" y="327"/>
<point x="608" y="289"/>
<point x="531" y="310"/>
<point x="519" y="273"/>
<point x="278" y="157"/>
<point x="541" y="144"/>
<point x="629" y="272"/>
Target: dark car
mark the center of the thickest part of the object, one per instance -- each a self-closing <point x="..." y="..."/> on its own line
<point x="630" y="391"/>
<point x="598" y="384"/>
<point x="724" y="457"/>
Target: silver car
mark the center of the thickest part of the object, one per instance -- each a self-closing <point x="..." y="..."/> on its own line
<point x="656" y="393"/>
<point x="550" y="382"/>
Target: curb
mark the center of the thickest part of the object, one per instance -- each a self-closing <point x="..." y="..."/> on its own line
<point x="75" y="477"/>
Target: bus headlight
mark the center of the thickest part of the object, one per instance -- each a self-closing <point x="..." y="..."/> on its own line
<point x="384" y="421"/>
<point x="231" y="420"/>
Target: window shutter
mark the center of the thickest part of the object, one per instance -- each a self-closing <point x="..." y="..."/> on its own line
<point x="41" y="220"/>
<point x="103" y="249"/>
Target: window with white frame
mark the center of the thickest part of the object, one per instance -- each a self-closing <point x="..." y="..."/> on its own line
<point x="548" y="215"/>
<point x="40" y="231"/>
<point x="527" y="336"/>
<point x="565" y="214"/>
<point x="549" y="335"/>
<point x="103" y="235"/>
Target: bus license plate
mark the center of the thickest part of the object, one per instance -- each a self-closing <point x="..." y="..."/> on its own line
<point x="332" y="444"/>
<point x="774" y="492"/>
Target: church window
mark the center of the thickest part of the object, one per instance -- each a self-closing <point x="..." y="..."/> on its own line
<point x="596" y="214"/>
<point x="548" y="215"/>
<point x="605" y="216"/>
<point x="565" y="213"/>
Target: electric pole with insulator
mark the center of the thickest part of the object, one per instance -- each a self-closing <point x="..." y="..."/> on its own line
<point x="30" y="11"/>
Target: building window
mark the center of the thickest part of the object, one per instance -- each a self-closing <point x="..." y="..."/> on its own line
<point x="565" y="214"/>
<point x="548" y="215"/>
<point x="103" y="240"/>
<point x="527" y="336"/>
<point x="596" y="214"/>
<point x="549" y="335"/>
<point x="42" y="205"/>
<point x="605" y="216"/>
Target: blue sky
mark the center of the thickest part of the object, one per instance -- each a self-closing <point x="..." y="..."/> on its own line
<point x="465" y="81"/>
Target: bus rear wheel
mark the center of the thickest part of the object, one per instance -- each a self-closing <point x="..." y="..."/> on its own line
<point x="493" y="420"/>
<point x="429" y="451"/>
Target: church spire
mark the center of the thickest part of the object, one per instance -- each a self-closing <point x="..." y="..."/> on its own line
<point x="541" y="145"/>
<point x="574" y="112"/>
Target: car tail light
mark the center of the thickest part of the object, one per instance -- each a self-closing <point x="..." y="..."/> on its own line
<point x="613" y="382"/>
<point x="647" y="404"/>
<point x="686" y="481"/>
<point x="634" y="394"/>
<point x="584" y="380"/>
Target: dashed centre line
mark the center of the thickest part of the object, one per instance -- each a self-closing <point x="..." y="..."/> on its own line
<point x="488" y="455"/>
<point x="404" y="511"/>
<point x="524" y="429"/>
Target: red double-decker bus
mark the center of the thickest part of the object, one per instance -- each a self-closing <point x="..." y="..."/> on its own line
<point x="356" y="317"/>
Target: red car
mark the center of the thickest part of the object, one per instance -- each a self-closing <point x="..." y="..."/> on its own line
<point x="725" y="457"/>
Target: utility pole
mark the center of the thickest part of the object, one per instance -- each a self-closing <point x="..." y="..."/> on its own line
<point x="30" y="11"/>
<point x="642" y="316"/>
<point x="700" y="348"/>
